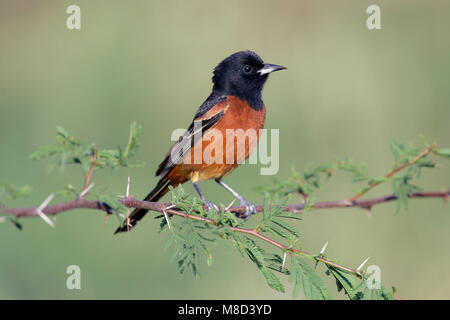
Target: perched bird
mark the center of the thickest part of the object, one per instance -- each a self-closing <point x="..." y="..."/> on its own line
<point x="235" y="103"/>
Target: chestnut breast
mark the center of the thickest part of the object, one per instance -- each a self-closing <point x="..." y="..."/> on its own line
<point x="228" y="143"/>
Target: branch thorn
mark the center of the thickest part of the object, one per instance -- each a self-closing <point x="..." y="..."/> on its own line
<point x="167" y="218"/>
<point x="323" y="248"/>
<point x="358" y="270"/>
<point x="86" y="190"/>
<point x="127" y="193"/>
<point x="41" y="214"/>
<point x="229" y="206"/>
<point x="128" y="186"/>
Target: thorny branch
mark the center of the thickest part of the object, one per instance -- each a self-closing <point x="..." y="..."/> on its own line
<point x="167" y="208"/>
<point x="132" y="202"/>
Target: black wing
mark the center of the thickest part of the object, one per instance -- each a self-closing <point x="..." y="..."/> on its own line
<point x="191" y="136"/>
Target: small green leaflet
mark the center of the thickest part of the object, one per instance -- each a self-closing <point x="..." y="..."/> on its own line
<point x="402" y="189"/>
<point x="304" y="278"/>
<point x="9" y="191"/>
<point x="256" y="254"/>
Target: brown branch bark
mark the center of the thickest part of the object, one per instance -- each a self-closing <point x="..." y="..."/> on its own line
<point x="132" y="202"/>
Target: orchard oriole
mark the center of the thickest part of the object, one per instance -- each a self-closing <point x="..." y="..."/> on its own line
<point x="234" y="104"/>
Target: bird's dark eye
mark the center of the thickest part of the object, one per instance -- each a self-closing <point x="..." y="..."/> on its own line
<point x="247" y="69"/>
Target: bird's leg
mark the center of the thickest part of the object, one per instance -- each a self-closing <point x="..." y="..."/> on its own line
<point x="249" y="207"/>
<point x="209" y="204"/>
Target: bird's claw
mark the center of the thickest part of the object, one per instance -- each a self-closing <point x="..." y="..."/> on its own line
<point x="249" y="209"/>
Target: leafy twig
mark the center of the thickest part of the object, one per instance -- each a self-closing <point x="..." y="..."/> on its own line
<point x="90" y="172"/>
<point x="132" y="202"/>
<point x="393" y="172"/>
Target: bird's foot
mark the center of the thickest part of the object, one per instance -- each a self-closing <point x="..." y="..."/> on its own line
<point x="211" y="205"/>
<point x="249" y="209"/>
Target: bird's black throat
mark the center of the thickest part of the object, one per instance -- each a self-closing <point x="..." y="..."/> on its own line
<point x="251" y="96"/>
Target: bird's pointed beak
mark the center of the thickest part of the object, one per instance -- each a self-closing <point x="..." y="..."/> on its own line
<point x="269" y="68"/>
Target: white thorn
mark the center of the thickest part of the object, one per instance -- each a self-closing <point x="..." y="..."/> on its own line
<point x="284" y="259"/>
<point x="324" y="247"/>
<point x="167" y="219"/>
<point x="45" y="203"/>
<point x="41" y="214"/>
<point x="170" y="207"/>
<point x="229" y="206"/>
<point x="358" y="270"/>
<point x="128" y="187"/>
<point x="127" y="216"/>
<point x="85" y="191"/>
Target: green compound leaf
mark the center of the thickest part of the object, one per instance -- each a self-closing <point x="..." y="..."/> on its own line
<point x="69" y="150"/>
<point x="256" y="254"/>
<point x="347" y="282"/>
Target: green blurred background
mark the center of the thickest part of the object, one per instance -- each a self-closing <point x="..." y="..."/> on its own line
<point x="348" y="91"/>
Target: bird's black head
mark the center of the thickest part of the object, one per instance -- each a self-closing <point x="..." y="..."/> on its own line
<point x="243" y="74"/>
